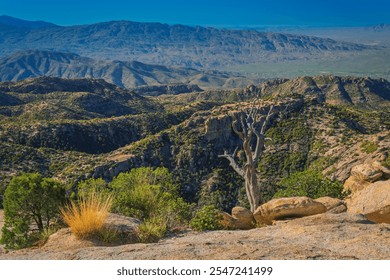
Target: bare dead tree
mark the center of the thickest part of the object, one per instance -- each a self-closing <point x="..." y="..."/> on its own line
<point x="249" y="124"/>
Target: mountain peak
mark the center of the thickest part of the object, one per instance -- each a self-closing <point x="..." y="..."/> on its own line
<point x="171" y="45"/>
<point x="11" y="21"/>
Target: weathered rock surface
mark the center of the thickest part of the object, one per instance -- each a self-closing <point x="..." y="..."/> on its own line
<point x="366" y="172"/>
<point x="240" y="219"/>
<point x="354" y="184"/>
<point x="324" y="236"/>
<point x="227" y="221"/>
<point x="285" y="208"/>
<point x="333" y="205"/>
<point x="244" y="218"/>
<point x="373" y="202"/>
<point x="385" y="170"/>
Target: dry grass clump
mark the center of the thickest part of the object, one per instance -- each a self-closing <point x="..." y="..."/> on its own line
<point x="87" y="218"/>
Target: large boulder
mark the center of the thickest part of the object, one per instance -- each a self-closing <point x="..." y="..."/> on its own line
<point x="285" y="208"/>
<point x="333" y="205"/>
<point x="241" y="218"/>
<point x="367" y="172"/>
<point x="353" y="184"/>
<point x="373" y="202"/>
<point x="244" y="218"/>
<point x="226" y="220"/>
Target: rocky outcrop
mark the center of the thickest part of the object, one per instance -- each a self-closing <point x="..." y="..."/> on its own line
<point x="333" y="205"/>
<point x="244" y="217"/>
<point x="226" y="220"/>
<point x="353" y="184"/>
<point x="241" y="218"/>
<point x="373" y="202"/>
<point x="324" y="237"/>
<point x="362" y="175"/>
<point x="366" y="172"/>
<point x="287" y="208"/>
<point x="218" y="128"/>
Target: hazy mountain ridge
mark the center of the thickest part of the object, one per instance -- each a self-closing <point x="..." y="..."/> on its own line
<point x="11" y="21"/>
<point x="175" y="45"/>
<point x="129" y="74"/>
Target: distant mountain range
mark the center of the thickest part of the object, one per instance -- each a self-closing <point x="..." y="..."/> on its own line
<point x="126" y="74"/>
<point x="11" y="21"/>
<point x="170" y="45"/>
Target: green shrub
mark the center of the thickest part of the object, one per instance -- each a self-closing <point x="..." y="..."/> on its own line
<point x="368" y="147"/>
<point x="222" y="189"/>
<point x="150" y="195"/>
<point x="87" y="187"/>
<point x="152" y="230"/>
<point x="30" y="201"/>
<point x="309" y="183"/>
<point x="207" y="218"/>
<point x="386" y="162"/>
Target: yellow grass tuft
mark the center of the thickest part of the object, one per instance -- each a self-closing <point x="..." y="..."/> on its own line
<point x="87" y="217"/>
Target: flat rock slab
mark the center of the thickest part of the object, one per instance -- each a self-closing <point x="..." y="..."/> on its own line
<point x="324" y="236"/>
<point x="286" y="208"/>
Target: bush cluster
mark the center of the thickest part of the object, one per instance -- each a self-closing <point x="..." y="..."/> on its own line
<point x="31" y="206"/>
<point x="309" y="183"/>
<point x="147" y="194"/>
<point x="207" y="218"/>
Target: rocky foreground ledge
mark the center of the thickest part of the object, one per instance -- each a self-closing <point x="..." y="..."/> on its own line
<point x="323" y="236"/>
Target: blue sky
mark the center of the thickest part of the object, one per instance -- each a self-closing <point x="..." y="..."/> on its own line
<point x="204" y="12"/>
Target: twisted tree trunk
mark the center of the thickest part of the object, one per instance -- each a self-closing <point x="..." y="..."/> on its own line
<point x="253" y="124"/>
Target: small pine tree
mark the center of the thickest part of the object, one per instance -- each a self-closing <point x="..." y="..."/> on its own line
<point x="29" y="199"/>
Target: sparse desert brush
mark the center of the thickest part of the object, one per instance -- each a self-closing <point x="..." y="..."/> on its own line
<point x="87" y="217"/>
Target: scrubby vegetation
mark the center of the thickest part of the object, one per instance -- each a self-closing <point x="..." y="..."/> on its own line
<point x="87" y="217"/>
<point x="147" y="194"/>
<point x="369" y="147"/>
<point x="31" y="206"/>
<point x="309" y="183"/>
<point x="207" y="218"/>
